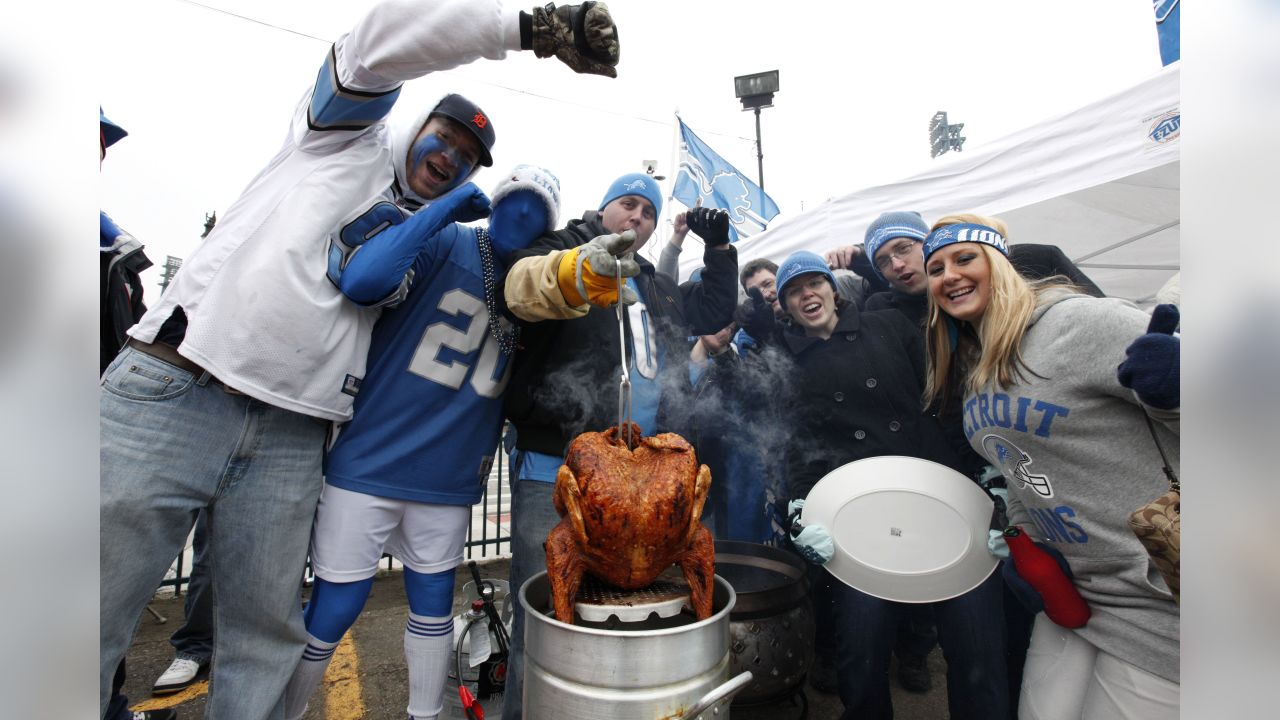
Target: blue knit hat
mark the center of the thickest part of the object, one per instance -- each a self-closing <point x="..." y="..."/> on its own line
<point x="540" y="181"/>
<point x="635" y="184"/>
<point x="890" y="225"/>
<point x="799" y="263"/>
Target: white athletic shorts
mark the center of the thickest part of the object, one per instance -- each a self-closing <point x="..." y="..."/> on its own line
<point x="353" y="529"/>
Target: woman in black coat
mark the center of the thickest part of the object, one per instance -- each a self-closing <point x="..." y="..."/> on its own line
<point x="858" y="382"/>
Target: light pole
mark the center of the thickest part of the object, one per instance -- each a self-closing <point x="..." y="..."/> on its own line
<point x="756" y="91"/>
<point x="943" y="136"/>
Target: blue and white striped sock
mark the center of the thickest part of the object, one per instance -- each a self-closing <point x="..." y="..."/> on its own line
<point x="428" y="646"/>
<point x="307" y="676"/>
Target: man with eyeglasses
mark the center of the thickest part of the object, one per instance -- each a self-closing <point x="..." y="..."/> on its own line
<point x="892" y="253"/>
<point x="893" y="246"/>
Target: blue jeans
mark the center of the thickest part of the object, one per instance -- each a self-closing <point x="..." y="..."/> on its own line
<point x="171" y="445"/>
<point x="917" y="634"/>
<point x="193" y="640"/>
<point x="533" y="515"/>
<point x="971" y="630"/>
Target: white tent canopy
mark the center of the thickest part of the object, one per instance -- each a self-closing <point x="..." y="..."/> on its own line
<point x="1100" y="182"/>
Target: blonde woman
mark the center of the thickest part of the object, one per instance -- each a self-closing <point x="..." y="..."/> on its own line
<point x="1036" y="366"/>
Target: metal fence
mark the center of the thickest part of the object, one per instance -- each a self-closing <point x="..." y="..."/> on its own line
<point x="489" y="534"/>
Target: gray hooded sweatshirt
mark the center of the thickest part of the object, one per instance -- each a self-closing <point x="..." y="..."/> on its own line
<point x="1078" y="458"/>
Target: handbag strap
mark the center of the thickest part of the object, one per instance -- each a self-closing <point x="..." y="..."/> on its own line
<point x="1168" y="471"/>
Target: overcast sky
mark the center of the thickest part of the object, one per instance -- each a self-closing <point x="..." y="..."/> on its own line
<point x="206" y="96"/>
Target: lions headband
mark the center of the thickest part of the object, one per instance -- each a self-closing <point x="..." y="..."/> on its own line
<point x="964" y="232"/>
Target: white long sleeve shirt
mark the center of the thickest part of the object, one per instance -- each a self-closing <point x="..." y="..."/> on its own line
<point x="263" y="316"/>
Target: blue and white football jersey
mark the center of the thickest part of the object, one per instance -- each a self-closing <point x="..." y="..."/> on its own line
<point x="429" y="413"/>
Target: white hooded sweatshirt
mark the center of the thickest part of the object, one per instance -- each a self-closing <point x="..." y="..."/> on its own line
<point x="262" y="315"/>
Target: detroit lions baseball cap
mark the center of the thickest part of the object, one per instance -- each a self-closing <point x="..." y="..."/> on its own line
<point x="469" y="115"/>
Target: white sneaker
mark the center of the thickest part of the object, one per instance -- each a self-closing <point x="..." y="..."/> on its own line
<point x="181" y="673"/>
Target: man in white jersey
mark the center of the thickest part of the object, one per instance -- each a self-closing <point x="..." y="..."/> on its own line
<point x="223" y="396"/>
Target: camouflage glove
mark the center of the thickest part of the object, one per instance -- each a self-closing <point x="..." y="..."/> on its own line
<point x="589" y="273"/>
<point x="581" y="36"/>
<point x="710" y="224"/>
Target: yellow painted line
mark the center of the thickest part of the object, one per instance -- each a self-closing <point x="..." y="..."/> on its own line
<point x="344" y="697"/>
<point x="191" y="692"/>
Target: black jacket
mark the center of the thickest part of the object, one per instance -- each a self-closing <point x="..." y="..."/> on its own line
<point x="914" y="307"/>
<point x="1036" y="262"/>
<point x="121" y="301"/>
<point x="566" y="375"/>
<point x="858" y="395"/>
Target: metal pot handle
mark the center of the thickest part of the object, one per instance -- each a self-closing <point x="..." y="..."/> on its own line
<point x="718" y="695"/>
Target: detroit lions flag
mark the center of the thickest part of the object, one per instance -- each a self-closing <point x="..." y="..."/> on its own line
<point x="705" y="175"/>
<point x="1169" y="28"/>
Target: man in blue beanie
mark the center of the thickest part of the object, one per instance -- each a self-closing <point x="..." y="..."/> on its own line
<point x="566" y="377"/>
<point x="891" y="255"/>
<point x="892" y="248"/>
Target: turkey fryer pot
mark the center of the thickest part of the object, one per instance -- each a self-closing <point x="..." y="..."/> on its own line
<point x="655" y="669"/>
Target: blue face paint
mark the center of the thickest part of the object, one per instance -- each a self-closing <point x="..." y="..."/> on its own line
<point x="431" y="143"/>
<point x="516" y="221"/>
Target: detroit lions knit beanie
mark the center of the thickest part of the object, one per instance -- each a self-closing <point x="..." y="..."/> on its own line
<point x="892" y="225"/>
<point x="801" y="262"/>
<point x="635" y="184"/>
<point x="534" y="179"/>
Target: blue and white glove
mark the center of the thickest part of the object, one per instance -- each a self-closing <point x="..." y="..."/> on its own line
<point x="996" y="544"/>
<point x="813" y="542"/>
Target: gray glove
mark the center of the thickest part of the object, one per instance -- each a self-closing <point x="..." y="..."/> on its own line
<point x="596" y="269"/>
<point x="583" y="37"/>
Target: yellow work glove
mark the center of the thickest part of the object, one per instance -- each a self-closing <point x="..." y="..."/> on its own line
<point x="589" y="273"/>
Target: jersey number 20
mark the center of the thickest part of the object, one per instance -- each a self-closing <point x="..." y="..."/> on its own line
<point x="491" y="372"/>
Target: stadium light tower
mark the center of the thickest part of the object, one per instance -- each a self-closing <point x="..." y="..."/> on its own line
<point x="756" y="91"/>
<point x="944" y="137"/>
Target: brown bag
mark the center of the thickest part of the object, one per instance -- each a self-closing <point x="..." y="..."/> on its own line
<point x="1158" y="525"/>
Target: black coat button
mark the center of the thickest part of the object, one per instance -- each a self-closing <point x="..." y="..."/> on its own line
<point x="871" y="382"/>
<point x="895" y="426"/>
<point x="860" y="434"/>
<point x="839" y="397"/>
